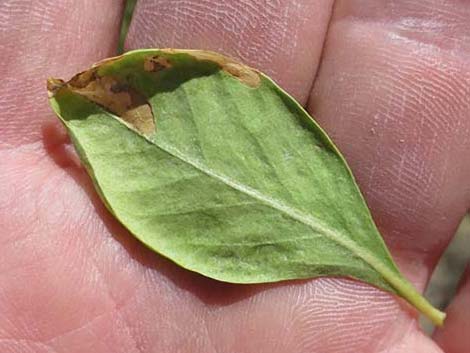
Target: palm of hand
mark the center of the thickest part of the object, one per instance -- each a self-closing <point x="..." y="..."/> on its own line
<point x="394" y="98"/>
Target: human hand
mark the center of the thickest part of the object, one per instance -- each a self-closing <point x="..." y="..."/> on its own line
<point x="388" y="80"/>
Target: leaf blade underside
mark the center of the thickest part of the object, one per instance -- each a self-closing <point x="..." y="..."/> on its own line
<point x="237" y="182"/>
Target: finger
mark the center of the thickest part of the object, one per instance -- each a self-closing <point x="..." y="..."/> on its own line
<point x="280" y="38"/>
<point x="393" y="93"/>
<point x="453" y="337"/>
<point x="42" y="39"/>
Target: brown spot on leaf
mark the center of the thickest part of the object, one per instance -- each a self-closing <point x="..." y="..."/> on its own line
<point x="243" y="73"/>
<point x="82" y="79"/>
<point x="53" y="85"/>
<point x="114" y="95"/>
<point x="156" y="63"/>
<point x="140" y="117"/>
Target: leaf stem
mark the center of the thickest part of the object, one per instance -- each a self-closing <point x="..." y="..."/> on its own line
<point x="406" y="290"/>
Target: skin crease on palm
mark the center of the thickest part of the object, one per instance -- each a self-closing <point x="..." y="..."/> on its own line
<point x="389" y="81"/>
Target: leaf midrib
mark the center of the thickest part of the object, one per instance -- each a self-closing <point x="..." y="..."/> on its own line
<point x="390" y="276"/>
<point x="293" y="213"/>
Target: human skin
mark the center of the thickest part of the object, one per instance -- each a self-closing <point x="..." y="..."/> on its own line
<point x="388" y="80"/>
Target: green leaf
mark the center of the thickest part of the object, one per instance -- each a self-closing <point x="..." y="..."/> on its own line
<point x="209" y="163"/>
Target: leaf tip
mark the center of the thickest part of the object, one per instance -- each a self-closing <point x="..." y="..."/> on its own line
<point x="53" y="85"/>
<point x="113" y="94"/>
